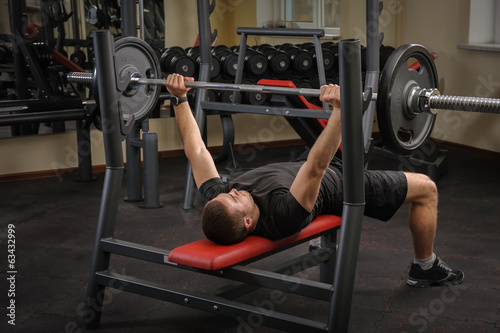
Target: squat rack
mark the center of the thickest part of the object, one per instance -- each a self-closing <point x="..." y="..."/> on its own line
<point x="106" y="245"/>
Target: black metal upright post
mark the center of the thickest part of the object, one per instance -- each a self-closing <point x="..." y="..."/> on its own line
<point x="372" y="65"/>
<point x="133" y="146"/>
<point x="354" y="197"/>
<point x="204" y="75"/>
<point x="84" y="153"/>
<point x="128" y="13"/>
<point x="18" y="16"/>
<point x="113" y="137"/>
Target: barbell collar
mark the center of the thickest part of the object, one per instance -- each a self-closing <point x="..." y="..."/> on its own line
<point x="418" y="100"/>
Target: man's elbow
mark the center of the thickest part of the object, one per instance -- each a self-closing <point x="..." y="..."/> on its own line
<point x="316" y="169"/>
<point x="195" y="152"/>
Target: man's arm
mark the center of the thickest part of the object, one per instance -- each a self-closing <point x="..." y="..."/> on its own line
<point x="305" y="187"/>
<point x="202" y="162"/>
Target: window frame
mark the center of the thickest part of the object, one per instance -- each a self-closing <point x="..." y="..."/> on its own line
<point x="318" y="21"/>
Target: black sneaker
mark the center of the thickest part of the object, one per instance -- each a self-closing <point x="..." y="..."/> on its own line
<point x="438" y="275"/>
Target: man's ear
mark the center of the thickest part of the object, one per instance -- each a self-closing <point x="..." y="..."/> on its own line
<point x="247" y="222"/>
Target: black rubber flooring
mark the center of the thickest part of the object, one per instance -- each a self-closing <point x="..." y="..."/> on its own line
<point x="55" y="220"/>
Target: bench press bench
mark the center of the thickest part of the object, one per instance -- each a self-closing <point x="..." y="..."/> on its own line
<point x="230" y="262"/>
<point x="206" y="255"/>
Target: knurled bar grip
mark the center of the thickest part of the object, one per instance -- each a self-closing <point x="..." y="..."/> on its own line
<point x="80" y="77"/>
<point x="461" y="103"/>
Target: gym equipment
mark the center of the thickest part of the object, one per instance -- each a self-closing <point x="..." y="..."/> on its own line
<point x="409" y="99"/>
<point x="78" y="57"/>
<point x="301" y="60"/>
<point x="133" y="58"/>
<point x="175" y="60"/>
<point x="277" y="60"/>
<point x="404" y="131"/>
<point x="254" y="98"/>
<point x="134" y="81"/>
<point x="228" y="60"/>
<point x="406" y="101"/>
<point x="225" y="304"/>
<point x="329" y="60"/>
<point x="227" y="96"/>
<point x="255" y="62"/>
<point x="195" y="54"/>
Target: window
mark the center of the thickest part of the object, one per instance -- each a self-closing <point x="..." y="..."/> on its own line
<point x="312" y="14"/>
<point x="484" y="26"/>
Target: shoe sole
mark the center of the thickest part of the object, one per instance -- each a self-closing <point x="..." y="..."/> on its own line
<point x="427" y="283"/>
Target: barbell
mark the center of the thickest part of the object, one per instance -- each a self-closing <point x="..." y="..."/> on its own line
<point x="407" y="97"/>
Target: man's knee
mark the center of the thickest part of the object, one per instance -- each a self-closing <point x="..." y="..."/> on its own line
<point x="421" y="187"/>
<point x="431" y="188"/>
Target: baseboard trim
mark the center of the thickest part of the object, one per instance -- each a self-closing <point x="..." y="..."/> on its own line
<point x="179" y="152"/>
<point x="73" y="172"/>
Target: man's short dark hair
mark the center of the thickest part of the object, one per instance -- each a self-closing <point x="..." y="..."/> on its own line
<point x="220" y="226"/>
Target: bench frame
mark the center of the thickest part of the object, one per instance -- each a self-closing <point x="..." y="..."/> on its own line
<point x="224" y="303"/>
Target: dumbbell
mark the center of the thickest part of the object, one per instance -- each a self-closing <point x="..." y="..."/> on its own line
<point x="78" y="57"/>
<point x="194" y="53"/>
<point x="328" y="56"/>
<point x="228" y="60"/>
<point x="278" y="61"/>
<point x="255" y="62"/>
<point x="253" y="98"/>
<point x="334" y="51"/>
<point x="302" y="83"/>
<point x="301" y="60"/>
<point x="226" y="96"/>
<point x="175" y="60"/>
<point x="385" y="53"/>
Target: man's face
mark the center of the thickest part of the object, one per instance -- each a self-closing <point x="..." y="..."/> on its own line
<point x="237" y="201"/>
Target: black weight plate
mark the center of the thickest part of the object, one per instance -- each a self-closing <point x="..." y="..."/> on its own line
<point x="255" y="64"/>
<point x="229" y="64"/>
<point x="133" y="55"/>
<point x="403" y="131"/>
<point x="183" y="65"/>
<point x="302" y="61"/>
<point x="278" y="62"/>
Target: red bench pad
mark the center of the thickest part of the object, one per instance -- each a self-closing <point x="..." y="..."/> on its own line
<point x="204" y="254"/>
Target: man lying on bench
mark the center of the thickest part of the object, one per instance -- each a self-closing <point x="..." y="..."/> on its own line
<point x="280" y="199"/>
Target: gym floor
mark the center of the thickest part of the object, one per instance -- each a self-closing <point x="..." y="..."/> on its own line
<point x="55" y="221"/>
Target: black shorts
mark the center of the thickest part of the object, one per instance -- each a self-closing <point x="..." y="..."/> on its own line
<point x="385" y="191"/>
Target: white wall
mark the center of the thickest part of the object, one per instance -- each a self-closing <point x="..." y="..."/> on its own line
<point x="461" y="72"/>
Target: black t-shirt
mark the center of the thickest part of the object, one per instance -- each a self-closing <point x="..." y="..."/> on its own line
<point x="280" y="214"/>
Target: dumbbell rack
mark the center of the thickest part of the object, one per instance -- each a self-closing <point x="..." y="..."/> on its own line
<point x="226" y="109"/>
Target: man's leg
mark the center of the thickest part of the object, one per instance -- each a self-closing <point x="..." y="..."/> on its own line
<point x="427" y="269"/>
<point x="423" y="198"/>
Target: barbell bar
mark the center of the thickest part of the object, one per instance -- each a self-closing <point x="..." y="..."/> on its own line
<point x="407" y="97"/>
<point x="419" y="100"/>
<point x="136" y="82"/>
